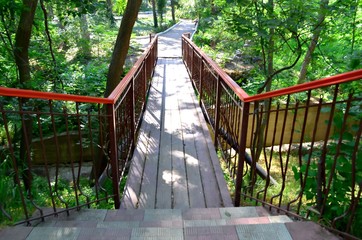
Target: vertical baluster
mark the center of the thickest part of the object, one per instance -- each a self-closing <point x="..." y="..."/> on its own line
<point x="241" y="152"/>
<point x="217" y="111"/>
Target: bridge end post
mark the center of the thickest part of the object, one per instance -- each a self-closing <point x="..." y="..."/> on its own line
<point x="241" y="152"/>
<point x="113" y="155"/>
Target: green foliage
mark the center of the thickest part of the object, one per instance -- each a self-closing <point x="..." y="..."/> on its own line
<point x="120" y="6"/>
<point x="161" y="6"/>
<point x="10" y="194"/>
<point x="244" y="26"/>
<point x="339" y="167"/>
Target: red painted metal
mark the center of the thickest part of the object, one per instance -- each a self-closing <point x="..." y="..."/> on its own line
<point x="125" y="81"/>
<point x="23" y="93"/>
<point x="267" y="124"/>
<point x="232" y="84"/>
<point x="13" y="92"/>
<point x="105" y="127"/>
<point x="328" y="81"/>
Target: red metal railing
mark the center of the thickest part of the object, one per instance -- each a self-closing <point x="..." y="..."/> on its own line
<point x="66" y="151"/>
<point x="296" y="150"/>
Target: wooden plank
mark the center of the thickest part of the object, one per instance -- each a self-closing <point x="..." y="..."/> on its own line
<point x="205" y="155"/>
<point x="194" y="183"/>
<point x="179" y="175"/>
<point x="207" y="172"/>
<point x="188" y="119"/>
<point x="222" y="186"/>
<point x="133" y="185"/>
<point x="164" y="180"/>
<point x="147" y="196"/>
<point x="181" y="168"/>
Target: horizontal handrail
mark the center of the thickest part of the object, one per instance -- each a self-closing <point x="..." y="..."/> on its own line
<point x="324" y="82"/>
<point x="125" y="81"/>
<point x="315" y="141"/>
<point x="337" y="79"/>
<point x="68" y="139"/>
<point x="14" y="92"/>
<point x="24" y="93"/>
<point x="228" y="80"/>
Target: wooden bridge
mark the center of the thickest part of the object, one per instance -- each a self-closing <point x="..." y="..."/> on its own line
<point x="175" y="163"/>
<point x="163" y="131"/>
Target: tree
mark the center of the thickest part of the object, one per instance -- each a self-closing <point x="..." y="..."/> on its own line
<point x="110" y="12"/>
<point x="21" y="54"/>
<point x="161" y="6"/>
<point x="122" y="44"/>
<point x="120" y="6"/>
<point x="8" y="28"/>
<point x="22" y="40"/>
<point x="173" y="6"/>
<point x="319" y="26"/>
<point x="154" y="12"/>
<point x="84" y="42"/>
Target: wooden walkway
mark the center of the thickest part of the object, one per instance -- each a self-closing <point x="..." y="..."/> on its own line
<point x="174" y="164"/>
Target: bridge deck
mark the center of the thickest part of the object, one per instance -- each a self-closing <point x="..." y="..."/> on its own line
<point x="175" y="164"/>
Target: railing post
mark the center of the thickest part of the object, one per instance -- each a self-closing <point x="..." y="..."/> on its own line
<point x="145" y="78"/>
<point x="113" y="154"/>
<point x="182" y="48"/>
<point x="133" y="114"/>
<point x="217" y="111"/>
<point x="192" y="65"/>
<point x="241" y="152"/>
<point x="201" y="80"/>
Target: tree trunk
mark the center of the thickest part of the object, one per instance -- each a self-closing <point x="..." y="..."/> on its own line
<point x="84" y="43"/>
<point x="173" y="10"/>
<point x="161" y="4"/>
<point x="22" y="40"/>
<point x="115" y="69"/>
<point x="122" y="44"/>
<point x="21" y="54"/>
<point x="110" y="12"/>
<point x="354" y="25"/>
<point x="155" y="22"/>
<point x="269" y="75"/>
<point x="314" y="41"/>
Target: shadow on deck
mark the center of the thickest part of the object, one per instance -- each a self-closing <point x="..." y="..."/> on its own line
<point x="175" y="164"/>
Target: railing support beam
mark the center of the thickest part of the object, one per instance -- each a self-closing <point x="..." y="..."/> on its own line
<point x="241" y="152"/>
<point x="217" y="111"/>
<point x="113" y="155"/>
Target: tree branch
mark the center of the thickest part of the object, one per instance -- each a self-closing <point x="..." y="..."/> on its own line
<point x="270" y="77"/>
<point x="46" y="24"/>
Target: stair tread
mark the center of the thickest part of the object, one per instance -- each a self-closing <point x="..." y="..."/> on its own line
<point x="207" y="232"/>
<point x="162" y="214"/>
<point x="309" y="230"/>
<point x="212" y="223"/>
<point x="282" y="231"/>
<point x="165" y="223"/>
<point x="263" y="231"/>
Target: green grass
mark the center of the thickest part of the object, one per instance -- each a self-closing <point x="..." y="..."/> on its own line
<point x="41" y="196"/>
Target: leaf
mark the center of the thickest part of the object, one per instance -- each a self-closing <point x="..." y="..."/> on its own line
<point x="296" y="173"/>
<point x="312" y="173"/>
<point x="347" y="136"/>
